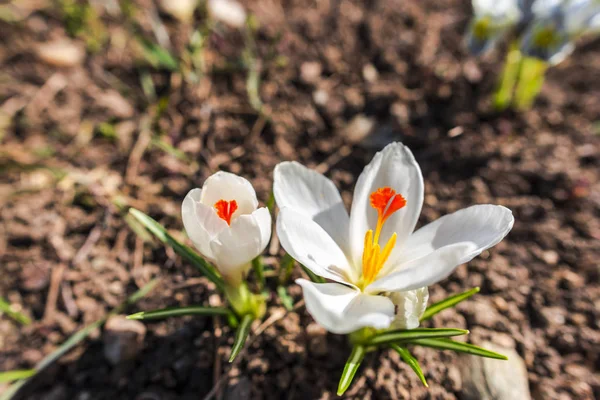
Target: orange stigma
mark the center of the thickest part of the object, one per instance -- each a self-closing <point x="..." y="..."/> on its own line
<point x="386" y="201"/>
<point x="225" y="209"/>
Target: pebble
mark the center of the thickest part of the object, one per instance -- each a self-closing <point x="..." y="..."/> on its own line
<point x="61" y="53"/>
<point x="490" y="379"/>
<point x="123" y="339"/>
<point x="310" y="71"/>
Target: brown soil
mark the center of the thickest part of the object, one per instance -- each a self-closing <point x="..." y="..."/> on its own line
<point x="68" y="256"/>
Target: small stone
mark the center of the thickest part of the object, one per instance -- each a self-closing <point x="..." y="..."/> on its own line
<point x="123" y="339"/>
<point x="490" y="379"/>
<point x="550" y="257"/>
<point x="359" y="128"/>
<point x="240" y="389"/>
<point x="229" y="12"/>
<point x="320" y="97"/>
<point x="370" y="73"/>
<point x="183" y="10"/>
<point x="454" y="378"/>
<point x="552" y="316"/>
<point x="61" y="53"/>
<point x="310" y="71"/>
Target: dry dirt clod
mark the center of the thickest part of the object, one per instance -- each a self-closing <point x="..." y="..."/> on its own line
<point x="123" y="339"/>
<point x="489" y="379"/>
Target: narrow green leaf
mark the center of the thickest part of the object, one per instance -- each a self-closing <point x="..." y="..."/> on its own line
<point x="14" y="375"/>
<point x="404" y="335"/>
<point x="178" y="312"/>
<point x="352" y="364"/>
<point x="271" y="203"/>
<point x="411" y="361"/>
<point x="76" y="338"/>
<point x="286" y="267"/>
<point x="447" y="344"/>
<point x="158" y="56"/>
<point x="508" y="78"/>
<point x="6" y="308"/>
<point x="184" y="251"/>
<point x="531" y="80"/>
<point x="259" y="270"/>
<point x="286" y="300"/>
<point x="312" y="276"/>
<point x="240" y="336"/>
<point x="447" y="303"/>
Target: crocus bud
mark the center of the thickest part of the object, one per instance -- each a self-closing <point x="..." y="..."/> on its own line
<point x="225" y="224"/>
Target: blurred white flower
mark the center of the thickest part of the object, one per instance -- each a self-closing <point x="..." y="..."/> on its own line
<point x="491" y="20"/>
<point x="225" y="225"/>
<point x="556" y="24"/>
<point x="230" y="12"/>
<point x="380" y="268"/>
<point x="183" y="10"/>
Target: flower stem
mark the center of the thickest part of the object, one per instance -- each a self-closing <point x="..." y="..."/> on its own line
<point x="244" y="302"/>
<point x="509" y="78"/>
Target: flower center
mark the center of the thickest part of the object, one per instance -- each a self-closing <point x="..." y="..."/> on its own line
<point x="225" y="209"/>
<point x="386" y="201"/>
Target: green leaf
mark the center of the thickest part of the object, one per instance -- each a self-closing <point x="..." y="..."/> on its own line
<point x="178" y="312"/>
<point x="404" y="335"/>
<point x="286" y="300"/>
<point x="411" y="361"/>
<point x="447" y="344"/>
<point x="312" y="276"/>
<point x="158" y="57"/>
<point x="15" y="375"/>
<point x="6" y="308"/>
<point x="240" y="336"/>
<point x="184" y="251"/>
<point x="77" y="338"/>
<point x="447" y="303"/>
<point x="271" y="203"/>
<point x="286" y="267"/>
<point x="259" y="270"/>
<point x="352" y="364"/>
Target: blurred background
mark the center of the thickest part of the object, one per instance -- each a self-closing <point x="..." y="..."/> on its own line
<point x="106" y="105"/>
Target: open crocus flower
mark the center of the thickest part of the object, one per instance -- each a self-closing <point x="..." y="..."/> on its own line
<point x="556" y="25"/>
<point x="491" y="20"/>
<point x="380" y="269"/>
<point x="225" y="225"/>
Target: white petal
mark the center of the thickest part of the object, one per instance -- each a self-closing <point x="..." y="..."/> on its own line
<point x="201" y="222"/>
<point x="263" y="219"/>
<point x="435" y="250"/>
<point x="341" y="309"/>
<point x="310" y="245"/>
<point x="395" y="167"/>
<point x="227" y="186"/>
<point x="234" y="248"/>
<point x="312" y="194"/>
<point x="410" y="306"/>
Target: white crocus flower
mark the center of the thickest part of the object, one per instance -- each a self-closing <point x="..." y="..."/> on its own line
<point x="556" y="25"/>
<point x="225" y="225"/>
<point x="380" y="269"/>
<point x="491" y="20"/>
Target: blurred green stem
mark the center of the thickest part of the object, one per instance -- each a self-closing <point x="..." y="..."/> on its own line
<point x="509" y="78"/>
<point x="531" y="80"/>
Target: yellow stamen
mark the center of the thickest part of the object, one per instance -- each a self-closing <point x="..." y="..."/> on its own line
<point x="386" y="202"/>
